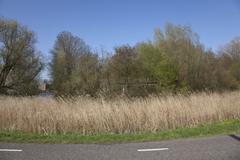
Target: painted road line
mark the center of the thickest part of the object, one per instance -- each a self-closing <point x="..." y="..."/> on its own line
<point x="153" y="149"/>
<point x="10" y="150"/>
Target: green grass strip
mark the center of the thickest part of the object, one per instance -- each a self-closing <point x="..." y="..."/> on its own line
<point x="221" y="128"/>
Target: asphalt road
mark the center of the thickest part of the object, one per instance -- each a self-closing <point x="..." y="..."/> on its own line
<point x="211" y="148"/>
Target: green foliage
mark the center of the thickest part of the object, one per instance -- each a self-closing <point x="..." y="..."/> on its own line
<point x="230" y="59"/>
<point x="178" y="61"/>
<point x="74" y="68"/>
<point x="157" y="66"/>
<point x="122" y="71"/>
<point x="175" y="61"/>
<point x="20" y="63"/>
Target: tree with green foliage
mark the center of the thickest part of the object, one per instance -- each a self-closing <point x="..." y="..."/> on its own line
<point x="178" y="62"/>
<point x="182" y="45"/>
<point x="230" y="62"/>
<point x="74" y="68"/>
<point x="20" y="63"/>
<point x="123" y="70"/>
<point x="157" y="67"/>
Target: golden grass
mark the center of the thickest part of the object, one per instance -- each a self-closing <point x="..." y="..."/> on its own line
<point x="96" y="116"/>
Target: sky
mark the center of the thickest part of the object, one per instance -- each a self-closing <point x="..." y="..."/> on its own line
<point x="105" y="24"/>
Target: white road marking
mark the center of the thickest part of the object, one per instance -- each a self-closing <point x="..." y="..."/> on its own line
<point x="10" y="150"/>
<point x="154" y="149"/>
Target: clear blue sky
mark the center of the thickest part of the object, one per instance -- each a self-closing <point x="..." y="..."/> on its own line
<point x="109" y="23"/>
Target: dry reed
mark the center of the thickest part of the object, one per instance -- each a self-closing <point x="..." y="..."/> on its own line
<point x="89" y="116"/>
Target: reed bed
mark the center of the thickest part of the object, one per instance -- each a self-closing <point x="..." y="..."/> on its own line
<point x="88" y="116"/>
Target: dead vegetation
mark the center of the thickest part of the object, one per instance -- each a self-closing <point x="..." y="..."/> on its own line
<point x="89" y="116"/>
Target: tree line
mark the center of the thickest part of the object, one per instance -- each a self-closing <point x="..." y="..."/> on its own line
<point x="175" y="61"/>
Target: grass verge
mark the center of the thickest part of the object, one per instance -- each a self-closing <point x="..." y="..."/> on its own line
<point x="221" y="128"/>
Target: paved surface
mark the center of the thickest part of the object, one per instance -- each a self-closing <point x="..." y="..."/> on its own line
<point x="212" y="148"/>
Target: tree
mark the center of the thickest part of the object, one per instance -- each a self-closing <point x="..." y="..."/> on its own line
<point x="123" y="71"/>
<point x="193" y="63"/>
<point x="230" y="62"/>
<point x="74" y="68"/>
<point x="177" y="61"/>
<point x="157" y="67"/>
<point x="20" y="63"/>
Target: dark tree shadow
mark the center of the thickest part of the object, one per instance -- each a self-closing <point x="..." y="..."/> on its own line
<point x="235" y="137"/>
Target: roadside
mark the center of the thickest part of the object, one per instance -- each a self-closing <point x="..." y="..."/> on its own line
<point x="221" y="128"/>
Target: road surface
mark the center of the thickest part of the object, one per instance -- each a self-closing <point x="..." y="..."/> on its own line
<point x="211" y="148"/>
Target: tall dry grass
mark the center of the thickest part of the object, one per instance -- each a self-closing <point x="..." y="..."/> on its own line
<point x="93" y="116"/>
